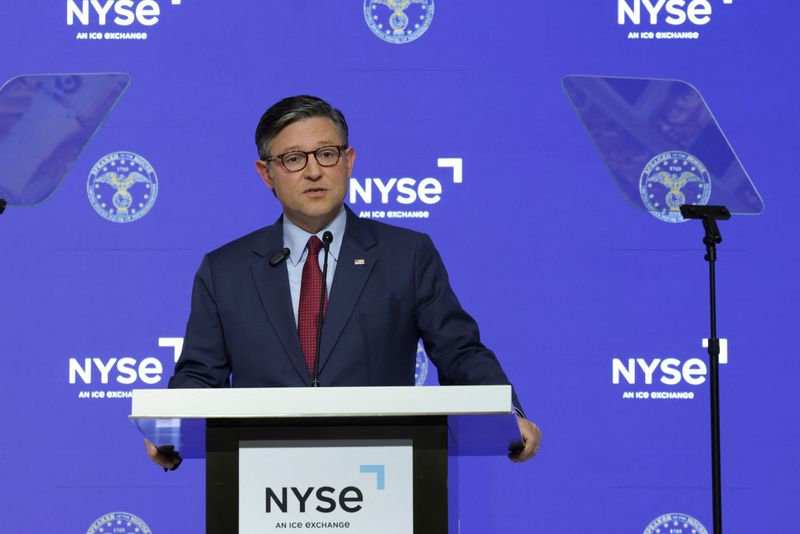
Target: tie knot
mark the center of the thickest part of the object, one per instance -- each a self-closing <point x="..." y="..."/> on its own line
<point x="314" y="246"/>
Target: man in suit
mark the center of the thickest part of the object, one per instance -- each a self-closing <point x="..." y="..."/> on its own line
<point x="256" y="300"/>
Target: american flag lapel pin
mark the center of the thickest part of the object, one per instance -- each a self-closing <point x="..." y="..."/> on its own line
<point x="359" y="261"/>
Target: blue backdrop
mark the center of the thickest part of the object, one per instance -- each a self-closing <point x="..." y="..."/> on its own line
<point x="576" y="277"/>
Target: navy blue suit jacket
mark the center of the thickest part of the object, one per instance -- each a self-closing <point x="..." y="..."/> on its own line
<point x="241" y="329"/>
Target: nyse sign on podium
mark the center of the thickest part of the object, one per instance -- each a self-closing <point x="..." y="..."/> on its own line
<point x="326" y="486"/>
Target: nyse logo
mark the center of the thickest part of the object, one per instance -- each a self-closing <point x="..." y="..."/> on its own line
<point x="400" y="190"/>
<point x="103" y="375"/>
<point x="663" y="372"/>
<point x="670" y="371"/>
<point x="122" y="370"/>
<point x="349" y="499"/>
<point x="125" y="12"/>
<point x="673" y="12"/>
<point x="403" y="191"/>
<point x="115" y="17"/>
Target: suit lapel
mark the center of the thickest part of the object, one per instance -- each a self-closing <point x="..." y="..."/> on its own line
<point x="353" y="268"/>
<point x="272" y="284"/>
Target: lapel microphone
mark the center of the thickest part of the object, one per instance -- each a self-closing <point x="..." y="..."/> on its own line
<point x="279" y="257"/>
<point x="327" y="239"/>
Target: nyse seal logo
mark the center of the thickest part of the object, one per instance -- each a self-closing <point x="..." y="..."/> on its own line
<point x="68" y="84"/>
<point x="119" y="523"/>
<point x="398" y="21"/>
<point x="671" y="179"/>
<point x="122" y="187"/>
<point x="675" y="524"/>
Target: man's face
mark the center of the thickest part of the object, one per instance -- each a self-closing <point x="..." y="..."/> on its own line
<point x="311" y="197"/>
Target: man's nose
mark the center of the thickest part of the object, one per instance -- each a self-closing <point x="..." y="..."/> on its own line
<point x="313" y="170"/>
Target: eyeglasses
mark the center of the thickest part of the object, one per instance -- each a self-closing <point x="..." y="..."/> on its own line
<point x="296" y="160"/>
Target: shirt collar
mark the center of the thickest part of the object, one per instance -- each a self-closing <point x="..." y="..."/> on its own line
<point x="296" y="239"/>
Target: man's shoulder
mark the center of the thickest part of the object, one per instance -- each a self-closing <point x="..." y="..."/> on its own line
<point x="388" y="232"/>
<point x="256" y="241"/>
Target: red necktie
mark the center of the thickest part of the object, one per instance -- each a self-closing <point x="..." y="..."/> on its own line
<point x="308" y="314"/>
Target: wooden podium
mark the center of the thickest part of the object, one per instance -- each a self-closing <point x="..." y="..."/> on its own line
<point x="437" y="424"/>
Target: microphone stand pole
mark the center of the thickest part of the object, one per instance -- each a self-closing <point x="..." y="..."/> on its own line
<point x="327" y="239"/>
<point x="710" y="215"/>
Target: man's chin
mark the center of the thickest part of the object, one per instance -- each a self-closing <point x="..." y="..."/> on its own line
<point x="313" y="220"/>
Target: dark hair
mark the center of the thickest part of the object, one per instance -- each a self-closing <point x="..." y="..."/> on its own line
<point x="290" y="110"/>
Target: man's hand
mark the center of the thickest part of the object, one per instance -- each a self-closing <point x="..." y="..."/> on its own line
<point x="531" y="439"/>
<point x="165" y="456"/>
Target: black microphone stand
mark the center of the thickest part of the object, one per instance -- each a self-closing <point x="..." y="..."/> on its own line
<point x="710" y="215"/>
<point x="327" y="239"/>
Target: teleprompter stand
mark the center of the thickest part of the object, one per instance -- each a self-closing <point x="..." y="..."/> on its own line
<point x="664" y="155"/>
<point x="710" y="215"/>
<point x="47" y="122"/>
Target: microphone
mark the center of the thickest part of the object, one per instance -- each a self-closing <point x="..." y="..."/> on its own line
<point x="327" y="239"/>
<point x="277" y="258"/>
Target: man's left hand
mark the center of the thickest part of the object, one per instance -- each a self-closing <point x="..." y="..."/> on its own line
<point x="531" y="439"/>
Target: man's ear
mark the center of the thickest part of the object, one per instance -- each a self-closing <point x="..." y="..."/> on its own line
<point x="350" y="154"/>
<point x="262" y="168"/>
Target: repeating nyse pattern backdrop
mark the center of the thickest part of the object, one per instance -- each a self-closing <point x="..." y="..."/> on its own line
<point x="596" y="309"/>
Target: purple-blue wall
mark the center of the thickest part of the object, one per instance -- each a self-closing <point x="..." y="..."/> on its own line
<point x="561" y="273"/>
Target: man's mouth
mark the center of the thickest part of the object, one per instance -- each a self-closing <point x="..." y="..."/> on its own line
<point x="315" y="191"/>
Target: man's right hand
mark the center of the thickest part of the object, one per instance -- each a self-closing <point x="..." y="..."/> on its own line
<point x="165" y="456"/>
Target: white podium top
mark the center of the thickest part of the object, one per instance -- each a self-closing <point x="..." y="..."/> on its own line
<point x="320" y="402"/>
<point x="482" y="419"/>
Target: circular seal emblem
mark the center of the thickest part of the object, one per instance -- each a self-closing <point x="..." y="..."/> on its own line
<point x="671" y="179"/>
<point x="421" y="370"/>
<point x="398" y="21"/>
<point x="68" y="84"/>
<point x="675" y="524"/>
<point x="122" y="187"/>
<point x="119" y="523"/>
